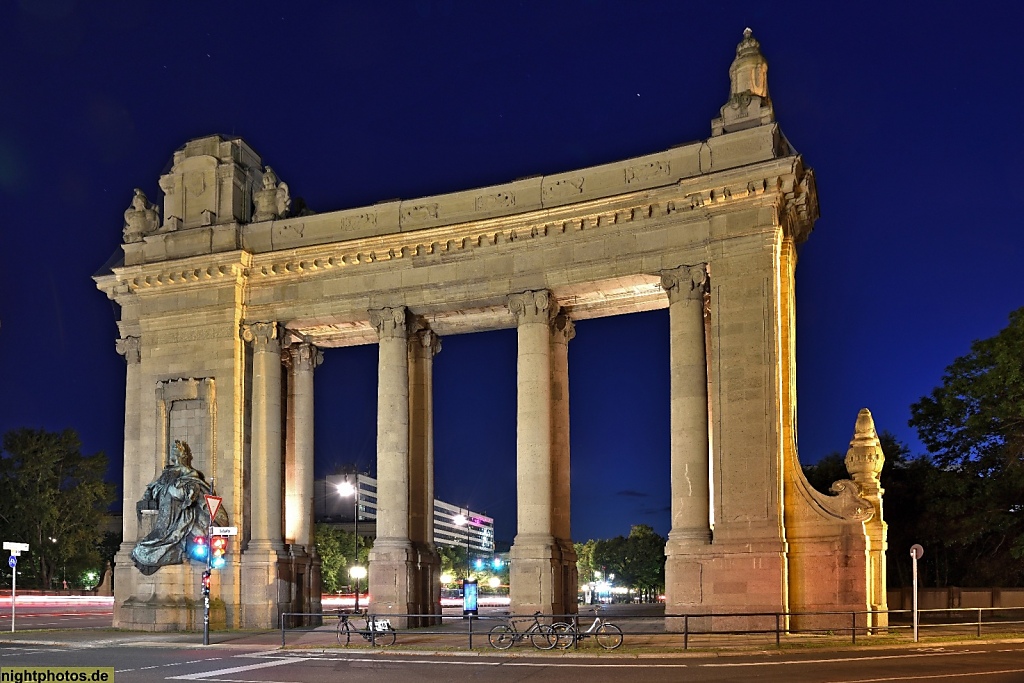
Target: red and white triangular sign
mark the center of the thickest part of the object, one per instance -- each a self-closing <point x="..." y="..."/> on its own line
<point x="213" y="502"/>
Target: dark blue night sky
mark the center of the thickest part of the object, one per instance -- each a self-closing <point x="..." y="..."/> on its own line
<point x="910" y="118"/>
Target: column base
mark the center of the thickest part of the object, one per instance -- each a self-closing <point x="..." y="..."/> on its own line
<point x="392" y="585"/>
<point x="428" y="586"/>
<point x="535" y="575"/>
<point x="266" y="592"/>
<point x="168" y="600"/>
<point x="723" y="579"/>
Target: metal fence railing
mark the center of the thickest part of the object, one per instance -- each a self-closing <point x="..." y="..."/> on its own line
<point x="657" y="631"/>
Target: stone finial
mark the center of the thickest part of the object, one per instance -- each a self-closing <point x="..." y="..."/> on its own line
<point x="749" y="71"/>
<point x="864" y="459"/>
<point x="140" y="219"/>
<point x="749" y="104"/>
<point x="273" y="200"/>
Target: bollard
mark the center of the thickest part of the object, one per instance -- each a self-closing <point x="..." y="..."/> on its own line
<point x="778" y="630"/>
<point x="853" y="630"/>
<point x="979" y="622"/>
<point x="686" y="631"/>
<point x="471" y="631"/>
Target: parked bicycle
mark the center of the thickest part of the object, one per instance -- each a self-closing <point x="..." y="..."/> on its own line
<point x="375" y="631"/>
<point x="607" y="634"/>
<point x="504" y="636"/>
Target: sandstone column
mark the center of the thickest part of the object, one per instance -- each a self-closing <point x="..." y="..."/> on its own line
<point x="299" y="467"/>
<point x="130" y="348"/>
<point x="562" y="332"/>
<point x="392" y="560"/>
<point x="690" y="457"/>
<point x="134" y="473"/>
<point x="423" y="346"/>
<point x="261" y="596"/>
<point x="301" y="360"/>
<point x="535" y="556"/>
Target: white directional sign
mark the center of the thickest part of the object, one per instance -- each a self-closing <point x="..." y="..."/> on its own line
<point x="223" y="530"/>
<point x="17" y="547"/>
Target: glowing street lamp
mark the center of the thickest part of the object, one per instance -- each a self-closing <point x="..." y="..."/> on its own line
<point x="462" y="520"/>
<point x="346" y="489"/>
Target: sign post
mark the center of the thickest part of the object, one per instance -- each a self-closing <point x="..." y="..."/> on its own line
<point x="16" y="550"/>
<point x="916" y="553"/>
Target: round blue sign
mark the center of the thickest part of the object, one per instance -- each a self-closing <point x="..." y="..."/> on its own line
<point x="13" y="561"/>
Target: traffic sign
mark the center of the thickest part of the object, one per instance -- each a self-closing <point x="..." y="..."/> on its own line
<point x="213" y="502"/>
<point x="223" y="530"/>
<point x="20" y="547"/>
<point x="13" y="561"/>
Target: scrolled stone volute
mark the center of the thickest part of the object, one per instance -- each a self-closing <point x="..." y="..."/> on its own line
<point x="688" y="282"/>
<point x="140" y="219"/>
<point x="390" y="322"/>
<point x="263" y="336"/>
<point x="533" y="306"/>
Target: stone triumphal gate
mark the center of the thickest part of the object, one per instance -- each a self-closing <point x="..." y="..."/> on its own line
<point x="226" y="299"/>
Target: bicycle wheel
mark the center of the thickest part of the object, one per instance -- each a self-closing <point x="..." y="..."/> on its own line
<point x="384" y="637"/>
<point x="501" y="637"/>
<point x="344" y="632"/>
<point x="565" y="635"/>
<point x="608" y="636"/>
<point x="543" y="637"/>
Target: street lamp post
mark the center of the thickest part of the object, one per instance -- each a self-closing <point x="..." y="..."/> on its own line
<point x="463" y="521"/>
<point x="347" y="489"/>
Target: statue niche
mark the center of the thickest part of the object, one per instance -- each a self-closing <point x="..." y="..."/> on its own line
<point x="178" y="497"/>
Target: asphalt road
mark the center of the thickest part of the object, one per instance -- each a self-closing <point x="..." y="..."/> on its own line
<point x="995" y="663"/>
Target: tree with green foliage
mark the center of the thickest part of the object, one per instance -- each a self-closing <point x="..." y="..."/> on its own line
<point x="585" y="560"/>
<point x="53" y="498"/>
<point x="637" y="561"/>
<point x="338" y="550"/>
<point x="973" y="427"/>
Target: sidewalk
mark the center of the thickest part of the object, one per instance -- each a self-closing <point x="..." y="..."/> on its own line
<point x="452" y="639"/>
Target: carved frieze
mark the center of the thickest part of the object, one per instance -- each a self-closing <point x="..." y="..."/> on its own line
<point x="389" y="322"/>
<point x="685" y="282"/>
<point x="419" y="213"/>
<point x="643" y="172"/>
<point x="566" y="188"/>
<point x="498" y="200"/>
<point x="359" y="221"/>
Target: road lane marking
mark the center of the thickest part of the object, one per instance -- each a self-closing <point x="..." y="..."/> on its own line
<point x="237" y="669"/>
<point x="930" y="676"/>
<point x="847" y="659"/>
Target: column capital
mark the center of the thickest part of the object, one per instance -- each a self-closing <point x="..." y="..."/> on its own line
<point x="685" y="282"/>
<point x="533" y="306"/>
<point x="305" y="356"/>
<point x="563" y="329"/>
<point x="389" y="322"/>
<point x="264" y="336"/>
<point x="428" y="340"/>
<point x="130" y="348"/>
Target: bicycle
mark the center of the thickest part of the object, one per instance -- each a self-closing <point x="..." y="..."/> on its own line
<point x="376" y="632"/>
<point x="607" y="634"/>
<point x="504" y="636"/>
